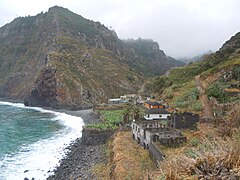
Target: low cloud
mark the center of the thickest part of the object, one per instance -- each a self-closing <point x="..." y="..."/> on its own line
<point x="182" y="28"/>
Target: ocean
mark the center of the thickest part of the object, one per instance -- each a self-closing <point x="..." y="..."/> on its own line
<point x="33" y="140"/>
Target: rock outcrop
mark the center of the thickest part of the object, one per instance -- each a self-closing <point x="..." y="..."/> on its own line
<point x="44" y="91"/>
<point x="145" y="57"/>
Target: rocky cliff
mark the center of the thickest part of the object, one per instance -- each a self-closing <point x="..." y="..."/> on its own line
<point x="145" y="57"/>
<point x="62" y="60"/>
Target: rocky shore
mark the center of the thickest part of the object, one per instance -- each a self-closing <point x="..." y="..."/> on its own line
<point x="84" y="153"/>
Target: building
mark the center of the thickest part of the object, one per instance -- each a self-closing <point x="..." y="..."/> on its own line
<point x="144" y="132"/>
<point x="153" y="105"/>
<point x="151" y="134"/>
<point x="157" y="114"/>
<point x="160" y="128"/>
<point x="184" y="120"/>
<point x="117" y="101"/>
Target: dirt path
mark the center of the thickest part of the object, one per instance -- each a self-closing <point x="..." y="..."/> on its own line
<point x="141" y="90"/>
<point x="207" y="113"/>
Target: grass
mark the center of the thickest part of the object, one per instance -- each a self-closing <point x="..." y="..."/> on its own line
<point x="181" y="93"/>
<point x="184" y="74"/>
<point x="187" y="98"/>
<point x="102" y="171"/>
<point x="126" y="159"/>
<point x="217" y="89"/>
<point x="129" y="160"/>
<point x="230" y="64"/>
<point x="219" y="161"/>
<point x="205" y="156"/>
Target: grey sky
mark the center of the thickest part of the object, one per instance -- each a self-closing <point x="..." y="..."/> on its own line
<point x="183" y="28"/>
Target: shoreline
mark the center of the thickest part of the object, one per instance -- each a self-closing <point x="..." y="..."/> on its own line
<point x="84" y="152"/>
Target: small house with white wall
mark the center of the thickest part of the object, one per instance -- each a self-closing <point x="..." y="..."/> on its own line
<point x="157" y="114"/>
<point x="117" y="101"/>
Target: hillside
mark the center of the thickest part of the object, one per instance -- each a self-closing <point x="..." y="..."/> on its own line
<point x="219" y="75"/>
<point x="199" y="57"/>
<point x="210" y="88"/>
<point x="145" y="57"/>
<point x="62" y="60"/>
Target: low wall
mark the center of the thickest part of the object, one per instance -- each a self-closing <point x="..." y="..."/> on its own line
<point x="109" y="107"/>
<point x="95" y="137"/>
<point x="173" y="142"/>
<point x="155" y="152"/>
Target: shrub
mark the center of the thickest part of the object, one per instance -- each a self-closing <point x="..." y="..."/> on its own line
<point x="194" y="142"/>
<point x="111" y="120"/>
<point x="160" y="83"/>
<point x="236" y="73"/>
<point x="216" y="90"/>
<point x="181" y="102"/>
<point x="197" y="106"/>
<point x="194" y="93"/>
<point x="169" y="93"/>
<point x="217" y="159"/>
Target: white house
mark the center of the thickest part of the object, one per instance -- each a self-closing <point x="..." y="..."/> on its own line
<point x="157" y="114"/>
<point x="117" y="101"/>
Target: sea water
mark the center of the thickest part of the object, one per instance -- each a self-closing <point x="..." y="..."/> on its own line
<point x="33" y="140"/>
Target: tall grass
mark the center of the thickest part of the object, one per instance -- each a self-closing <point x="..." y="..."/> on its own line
<point x="218" y="159"/>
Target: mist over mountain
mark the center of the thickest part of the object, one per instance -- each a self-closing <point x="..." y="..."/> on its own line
<point x="196" y="58"/>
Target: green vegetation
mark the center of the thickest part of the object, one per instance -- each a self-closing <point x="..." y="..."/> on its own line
<point x="147" y="59"/>
<point x="111" y="120"/>
<point x="88" y="69"/>
<point x="161" y="82"/>
<point x="194" y="142"/>
<point x="216" y="90"/>
<point x="212" y="152"/>
<point x="203" y="158"/>
<point x="76" y="22"/>
<point x="218" y="72"/>
<point x="113" y="117"/>
<point x="236" y="73"/>
<point x="188" y="99"/>
<point x="184" y="74"/>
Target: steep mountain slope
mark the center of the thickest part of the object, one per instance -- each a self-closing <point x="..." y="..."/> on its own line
<point x="60" y="59"/>
<point x="146" y="58"/>
<point x="219" y="74"/>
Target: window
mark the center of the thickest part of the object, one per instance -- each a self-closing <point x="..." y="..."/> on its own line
<point x="160" y="115"/>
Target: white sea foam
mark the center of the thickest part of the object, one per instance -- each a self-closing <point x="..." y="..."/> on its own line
<point x="37" y="159"/>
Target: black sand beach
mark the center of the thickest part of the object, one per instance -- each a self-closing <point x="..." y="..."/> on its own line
<point x="84" y="153"/>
